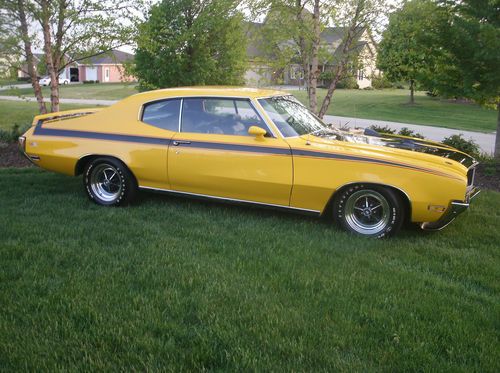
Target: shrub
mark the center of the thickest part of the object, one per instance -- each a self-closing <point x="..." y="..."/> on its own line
<point x="13" y="134"/>
<point x="382" y="129"/>
<point x="381" y="82"/>
<point x="405" y="131"/>
<point x="467" y="146"/>
<point x="90" y="81"/>
<point x="348" y="82"/>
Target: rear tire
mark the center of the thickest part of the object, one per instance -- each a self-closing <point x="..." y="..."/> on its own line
<point x="368" y="210"/>
<point x="108" y="182"/>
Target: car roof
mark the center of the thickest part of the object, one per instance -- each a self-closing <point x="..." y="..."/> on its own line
<point x="211" y="91"/>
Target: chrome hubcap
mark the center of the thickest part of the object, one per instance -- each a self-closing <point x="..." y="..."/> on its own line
<point x="367" y="212"/>
<point x="106" y="182"/>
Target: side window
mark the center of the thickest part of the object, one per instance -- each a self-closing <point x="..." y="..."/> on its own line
<point x="219" y="116"/>
<point x="163" y="114"/>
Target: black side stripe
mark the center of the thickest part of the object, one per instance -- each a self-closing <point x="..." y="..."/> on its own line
<point x="39" y="130"/>
<point x="236" y="147"/>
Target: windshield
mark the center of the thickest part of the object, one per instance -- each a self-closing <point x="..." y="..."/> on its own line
<point x="291" y="117"/>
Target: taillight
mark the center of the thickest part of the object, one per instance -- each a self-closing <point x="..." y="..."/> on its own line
<point x="22" y="143"/>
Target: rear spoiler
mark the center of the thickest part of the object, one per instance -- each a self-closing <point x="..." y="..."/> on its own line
<point x="67" y="114"/>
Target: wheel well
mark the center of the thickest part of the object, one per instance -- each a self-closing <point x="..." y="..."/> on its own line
<point x="402" y="195"/>
<point x="82" y="162"/>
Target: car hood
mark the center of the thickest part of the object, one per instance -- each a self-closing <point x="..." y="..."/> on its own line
<point x="409" y="144"/>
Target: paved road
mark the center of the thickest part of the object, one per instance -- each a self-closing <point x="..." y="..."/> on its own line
<point x="485" y="140"/>
<point x="9" y="86"/>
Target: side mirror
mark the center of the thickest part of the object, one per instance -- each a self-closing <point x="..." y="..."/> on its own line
<point x="257" y="132"/>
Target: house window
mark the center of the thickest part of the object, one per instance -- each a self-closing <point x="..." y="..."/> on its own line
<point x="361" y="74"/>
<point x="106" y="74"/>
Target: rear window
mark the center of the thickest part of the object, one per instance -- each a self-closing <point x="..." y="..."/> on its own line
<point x="163" y="114"/>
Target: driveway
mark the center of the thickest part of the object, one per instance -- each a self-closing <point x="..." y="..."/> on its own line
<point x="486" y="141"/>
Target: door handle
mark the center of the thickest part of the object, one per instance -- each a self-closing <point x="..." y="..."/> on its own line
<point x="180" y="142"/>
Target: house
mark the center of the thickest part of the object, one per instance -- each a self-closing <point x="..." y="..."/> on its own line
<point x="106" y="68"/>
<point x="261" y="72"/>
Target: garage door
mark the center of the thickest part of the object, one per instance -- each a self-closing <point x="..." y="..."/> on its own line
<point x="91" y="73"/>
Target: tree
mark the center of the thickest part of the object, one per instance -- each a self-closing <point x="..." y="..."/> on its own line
<point x="16" y="43"/>
<point x="71" y="30"/>
<point x="356" y="17"/>
<point x="191" y="42"/>
<point x="405" y="52"/>
<point x="470" y="37"/>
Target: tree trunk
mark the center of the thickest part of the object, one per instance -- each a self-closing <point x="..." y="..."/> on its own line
<point x="313" y="78"/>
<point x="42" y="108"/>
<point x="412" y="92"/>
<point x="331" y="89"/>
<point x="497" y="140"/>
<point x="51" y="65"/>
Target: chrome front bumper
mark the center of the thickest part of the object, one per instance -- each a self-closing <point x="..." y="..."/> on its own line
<point x="455" y="209"/>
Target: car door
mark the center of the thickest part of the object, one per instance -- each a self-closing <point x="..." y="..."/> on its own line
<point x="214" y="155"/>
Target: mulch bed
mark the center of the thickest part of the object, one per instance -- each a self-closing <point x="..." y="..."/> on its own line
<point x="11" y="157"/>
<point x="487" y="175"/>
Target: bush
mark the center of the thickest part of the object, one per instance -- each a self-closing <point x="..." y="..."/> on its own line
<point x="348" y="82"/>
<point x="467" y="146"/>
<point x="13" y="134"/>
<point x="382" y="129"/>
<point x="381" y="82"/>
<point x="90" y="81"/>
<point x="410" y="133"/>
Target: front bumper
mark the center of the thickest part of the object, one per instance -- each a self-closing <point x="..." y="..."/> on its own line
<point x="455" y="209"/>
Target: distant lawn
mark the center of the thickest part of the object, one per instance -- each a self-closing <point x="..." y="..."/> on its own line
<point x="392" y="105"/>
<point x="181" y="285"/>
<point x="103" y="91"/>
<point x="22" y="113"/>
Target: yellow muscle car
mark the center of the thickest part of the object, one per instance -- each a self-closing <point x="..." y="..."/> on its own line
<point x="253" y="146"/>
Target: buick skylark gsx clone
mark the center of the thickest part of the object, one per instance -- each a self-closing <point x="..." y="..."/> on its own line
<point x="253" y="146"/>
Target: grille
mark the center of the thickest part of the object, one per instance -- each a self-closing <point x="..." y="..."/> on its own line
<point x="470" y="176"/>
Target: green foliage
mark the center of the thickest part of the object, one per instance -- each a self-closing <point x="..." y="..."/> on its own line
<point x="470" y="37"/>
<point x="90" y="81"/>
<point x="403" y="55"/>
<point x="467" y="146"/>
<point x="382" y="129"/>
<point x="381" y="82"/>
<point x="347" y="82"/>
<point x="13" y="133"/>
<point x="405" y="131"/>
<point x="189" y="42"/>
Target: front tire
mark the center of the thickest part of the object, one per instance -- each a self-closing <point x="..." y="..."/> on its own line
<point x="370" y="211"/>
<point x="108" y="182"/>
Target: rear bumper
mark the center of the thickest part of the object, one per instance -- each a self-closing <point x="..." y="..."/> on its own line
<point x="455" y="209"/>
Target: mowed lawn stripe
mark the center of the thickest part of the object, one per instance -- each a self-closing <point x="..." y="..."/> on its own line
<point x="190" y="285"/>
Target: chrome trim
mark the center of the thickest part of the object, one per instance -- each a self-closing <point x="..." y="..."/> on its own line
<point x="316" y="212"/>
<point x="455" y="209"/>
<point x="180" y="114"/>
<point x="250" y="99"/>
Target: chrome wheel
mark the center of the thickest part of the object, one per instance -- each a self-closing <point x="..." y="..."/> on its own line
<point x="367" y="212"/>
<point x="106" y="182"/>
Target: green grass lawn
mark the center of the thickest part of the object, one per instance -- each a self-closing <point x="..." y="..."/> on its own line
<point x="100" y="91"/>
<point x="187" y="285"/>
<point x="391" y="105"/>
<point x="22" y="113"/>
